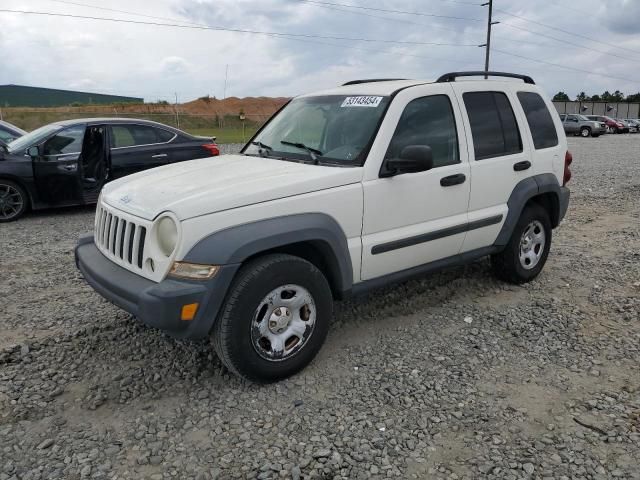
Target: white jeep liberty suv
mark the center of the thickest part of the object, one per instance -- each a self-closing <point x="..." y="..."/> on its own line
<point x="340" y="192"/>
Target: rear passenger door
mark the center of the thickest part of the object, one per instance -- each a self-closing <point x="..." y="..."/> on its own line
<point x="136" y="147"/>
<point x="498" y="157"/>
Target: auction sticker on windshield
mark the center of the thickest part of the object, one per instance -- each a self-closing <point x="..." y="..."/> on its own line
<point x="361" y="102"/>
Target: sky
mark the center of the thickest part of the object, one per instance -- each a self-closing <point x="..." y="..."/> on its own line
<point x="158" y="63"/>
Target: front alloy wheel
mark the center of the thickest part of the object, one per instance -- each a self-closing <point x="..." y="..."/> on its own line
<point x="283" y="322"/>
<point x="275" y="318"/>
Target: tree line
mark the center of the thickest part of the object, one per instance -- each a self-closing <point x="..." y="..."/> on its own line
<point x="616" y="96"/>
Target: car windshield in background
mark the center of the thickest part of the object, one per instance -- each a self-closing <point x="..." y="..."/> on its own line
<point x="583" y="118"/>
<point x="19" y="145"/>
<point x="331" y="129"/>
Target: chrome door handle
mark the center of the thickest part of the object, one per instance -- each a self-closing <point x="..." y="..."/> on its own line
<point x="70" y="168"/>
<point x="160" y="155"/>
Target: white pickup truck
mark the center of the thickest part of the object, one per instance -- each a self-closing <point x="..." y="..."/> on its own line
<point x="340" y="192"/>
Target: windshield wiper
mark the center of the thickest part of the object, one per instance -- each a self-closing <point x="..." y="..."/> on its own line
<point x="263" y="147"/>
<point x="311" y="151"/>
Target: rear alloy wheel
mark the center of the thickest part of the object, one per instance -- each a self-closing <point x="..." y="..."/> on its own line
<point x="526" y="253"/>
<point x="275" y="318"/>
<point x="13" y="201"/>
<point x="585" y="132"/>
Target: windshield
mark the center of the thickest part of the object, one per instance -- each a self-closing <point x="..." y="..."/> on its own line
<point x="582" y="117"/>
<point x="19" y="145"/>
<point x="331" y="129"/>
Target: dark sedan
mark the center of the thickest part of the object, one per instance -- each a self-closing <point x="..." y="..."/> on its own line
<point x="8" y="132"/>
<point x="67" y="163"/>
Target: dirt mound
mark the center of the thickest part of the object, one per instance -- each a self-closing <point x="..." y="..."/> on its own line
<point x="260" y="106"/>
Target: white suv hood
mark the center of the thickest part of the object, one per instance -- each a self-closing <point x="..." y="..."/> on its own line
<point x="209" y="185"/>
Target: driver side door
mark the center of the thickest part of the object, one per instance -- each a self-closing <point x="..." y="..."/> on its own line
<point x="56" y="167"/>
<point x="417" y="218"/>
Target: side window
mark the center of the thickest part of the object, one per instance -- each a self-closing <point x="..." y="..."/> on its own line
<point x="164" y="135"/>
<point x="65" y="142"/>
<point x="539" y="119"/>
<point x="121" y="137"/>
<point x="6" y="136"/>
<point x="428" y="121"/>
<point x="563" y="117"/>
<point x="134" y="135"/>
<point x="493" y="124"/>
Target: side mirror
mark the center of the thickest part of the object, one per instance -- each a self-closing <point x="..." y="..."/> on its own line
<point x="33" y="152"/>
<point x="412" y="159"/>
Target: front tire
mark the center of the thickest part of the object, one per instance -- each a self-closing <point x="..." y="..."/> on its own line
<point x="275" y="318"/>
<point x="585" y="132"/>
<point x="13" y="201"/>
<point x="526" y="253"/>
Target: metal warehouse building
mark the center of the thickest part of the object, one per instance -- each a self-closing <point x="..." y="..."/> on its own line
<point x="22" y="96"/>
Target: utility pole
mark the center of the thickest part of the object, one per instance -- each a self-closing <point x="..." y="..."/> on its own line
<point x="176" y="109"/>
<point x="488" y="44"/>
<point x="226" y="75"/>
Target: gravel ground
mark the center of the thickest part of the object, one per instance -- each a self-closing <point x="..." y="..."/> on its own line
<point x="454" y="376"/>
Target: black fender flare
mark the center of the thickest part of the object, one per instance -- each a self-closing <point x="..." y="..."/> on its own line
<point x="524" y="191"/>
<point x="236" y="244"/>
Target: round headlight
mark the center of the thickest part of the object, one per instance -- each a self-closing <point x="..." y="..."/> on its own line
<point x="167" y="235"/>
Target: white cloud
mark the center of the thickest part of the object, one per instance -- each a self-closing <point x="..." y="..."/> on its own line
<point x="155" y="62"/>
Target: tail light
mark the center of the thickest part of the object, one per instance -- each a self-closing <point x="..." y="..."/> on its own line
<point x="568" y="158"/>
<point x="212" y="148"/>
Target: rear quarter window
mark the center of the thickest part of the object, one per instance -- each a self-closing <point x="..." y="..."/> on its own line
<point x="493" y="124"/>
<point x="543" y="130"/>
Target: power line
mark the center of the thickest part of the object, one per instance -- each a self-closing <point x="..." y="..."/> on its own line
<point x="327" y="5"/>
<point x="237" y="30"/>
<point x="565" y="31"/>
<point x="567" y="42"/>
<point x="566" y="67"/>
<point x="386" y="10"/>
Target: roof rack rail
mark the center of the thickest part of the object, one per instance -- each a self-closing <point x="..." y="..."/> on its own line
<point x="371" y="80"/>
<point x="451" y="77"/>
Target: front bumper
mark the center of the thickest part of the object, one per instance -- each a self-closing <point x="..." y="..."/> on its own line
<point x="160" y="304"/>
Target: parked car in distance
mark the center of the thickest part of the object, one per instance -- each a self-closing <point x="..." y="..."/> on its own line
<point x="67" y="163"/>
<point x="629" y="125"/>
<point x="575" y="124"/>
<point x="9" y="132"/>
<point x="633" y="123"/>
<point x="342" y="191"/>
<point x="613" y="126"/>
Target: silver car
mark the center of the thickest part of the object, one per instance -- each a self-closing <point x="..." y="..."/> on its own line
<point x="575" y="124"/>
<point x="634" y="125"/>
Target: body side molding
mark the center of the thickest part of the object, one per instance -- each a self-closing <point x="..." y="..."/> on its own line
<point x="428" y="237"/>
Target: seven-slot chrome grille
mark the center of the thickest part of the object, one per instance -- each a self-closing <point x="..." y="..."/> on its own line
<point x="121" y="237"/>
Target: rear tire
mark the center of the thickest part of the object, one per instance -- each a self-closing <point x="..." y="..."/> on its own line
<point x="13" y="201"/>
<point x="275" y="318"/>
<point x="526" y="253"/>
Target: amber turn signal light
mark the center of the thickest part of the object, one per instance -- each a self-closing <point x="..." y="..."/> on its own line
<point x="189" y="312"/>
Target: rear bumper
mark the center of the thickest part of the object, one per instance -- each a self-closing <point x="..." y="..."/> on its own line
<point x="563" y="198"/>
<point x="158" y="305"/>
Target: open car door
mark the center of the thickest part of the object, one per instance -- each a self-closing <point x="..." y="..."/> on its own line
<point x="56" y="167"/>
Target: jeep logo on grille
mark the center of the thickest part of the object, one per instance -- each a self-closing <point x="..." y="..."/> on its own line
<point x="126" y="199"/>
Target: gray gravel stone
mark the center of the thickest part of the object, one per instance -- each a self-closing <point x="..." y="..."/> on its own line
<point x="403" y="388"/>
